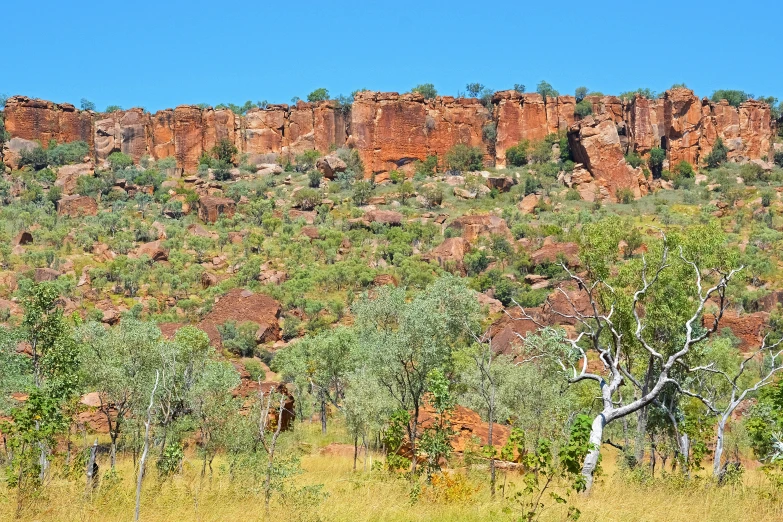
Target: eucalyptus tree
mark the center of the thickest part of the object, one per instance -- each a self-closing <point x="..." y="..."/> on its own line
<point x="403" y="341"/>
<point x="623" y="320"/>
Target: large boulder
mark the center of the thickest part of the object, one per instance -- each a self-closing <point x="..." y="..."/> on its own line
<point x="210" y="208"/>
<point x="243" y="305"/>
<point x="154" y="250"/>
<point x="451" y="252"/>
<point x="476" y="226"/>
<point x="595" y="143"/>
<point x="385" y="217"/>
<point x="68" y="176"/>
<point x="12" y="150"/>
<point x="330" y="165"/>
<point x="77" y="206"/>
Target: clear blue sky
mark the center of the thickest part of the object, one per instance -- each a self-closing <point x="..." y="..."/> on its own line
<point x="158" y="54"/>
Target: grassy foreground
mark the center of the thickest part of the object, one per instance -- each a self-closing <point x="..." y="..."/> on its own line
<point x="374" y="495"/>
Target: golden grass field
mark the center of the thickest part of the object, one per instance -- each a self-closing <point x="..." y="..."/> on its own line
<point x="375" y="496"/>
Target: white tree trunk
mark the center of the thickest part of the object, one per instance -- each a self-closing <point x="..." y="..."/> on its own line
<point x="719" y="447"/>
<point x="146" y="449"/>
<point x="591" y="460"/>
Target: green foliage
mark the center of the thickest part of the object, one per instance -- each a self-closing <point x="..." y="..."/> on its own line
<point x="489" y="132"/>
<point x="34" y="157"/>
<point x="718" y="156"/>
<point x="86" y="105"/>
<point x="314" y="178"/>
<point x="426" y="89"/>
<point x="254" y="370"/>
<point x="779" y="158"/>
<point x="307" y="199"/>
<point x="644" y="92"/>
<point x="519" y="87"/>
<point x="464" y="158"/>
<point x="318" y="95"/>
<point x="516" y="155"/>
<point x="239" y="339"/>
<point x="224" y="151"/>
<point x="584" y="108"/>
<point x="580" y="94"/>
<point x="474" y="89"/>
<point x="112" y="108"/>
<point x="546" y="90"/>
<point x="428" y="167"/>
<point x="362" y="192"/>
<point x="733" y="96"/>
<point x="67" y="153"/>
<point x="633" y="159"/>
<point x="306" y="160"/>
<point x="655" y="161"/>
<point x="119" y="161"/>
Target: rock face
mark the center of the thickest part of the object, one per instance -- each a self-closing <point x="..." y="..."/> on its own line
<point x="481" y="225"/>
<point x="240" y="306"/>
<point x="595" y="142"/>
<point x="210" y="208"/>
<point x="391" y="130"/>
<point x="76" y="206"/>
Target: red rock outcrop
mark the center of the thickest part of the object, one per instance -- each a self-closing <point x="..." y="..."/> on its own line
<point x="41" y="120"/>
<point x="477" y="226"/>
<point x="595" y="142"/>
<point x="76" y="206"/>
<point x="243" y="305"/>
<point x="210" y="208"/>
<point x="519" y="116"/>
<point x="391" y="130"/>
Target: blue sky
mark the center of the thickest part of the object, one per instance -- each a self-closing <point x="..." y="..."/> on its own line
<point x="158" y="54"/>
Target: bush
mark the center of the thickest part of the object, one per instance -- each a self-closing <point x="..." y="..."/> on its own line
<point x="644" y="92"/>
<point x="489" y="132"/>
<point x="633" y="159"/>
<point x="113" y="108"/>
<point x="239" y="339"/>
<point x="396" y="176"/>
<point x="119" y="161"/>
<point x="306" y="160"/>
<point x="751" y="172"/>
<point x="718" y="155"/>
<point x="362" y="191"/>
<point x="433" y="195"/>
<point x="516" y="155"/>
<point x="426" y="89"/>
<point x="625" y="195"/>
<point x="584" y="108"/>
<point x="255" y="370"/>
<point x="580" y="94"/>
<point x="464" y="158"/>
<point x="318" y="95"/>
<point x="655" y="161"/>
<point x="314" y="178"/>
<point x="67" y="153"/>
<point x="35" y="157"/>
<point x="542" y="151"/>
<point x="221" y="170"/>
<point x="733" y="96"/>
<point x="476" y="262"/>
<point x="546" y="90"/>
<point x="428" y="167"/>
<point x="224" y="150"/>
<point x="766" y="198"/>
<point x="779" y="158"/>
<point x="684" y="170"/>
<point x="307" y="199"/>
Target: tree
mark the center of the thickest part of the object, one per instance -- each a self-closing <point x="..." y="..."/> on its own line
<point x="546" y="90"/>
<point x="519" y="87"/>
<point x="474" y="89"/>
<point x="655" y="161"/>
<point x="113" y="108"/>
<point x="643" y="316"/>
<point x="464" y="158"/>
<point x="718" y="155"/>
<point x="224" y="150"/>
<point x="580" y="93"/>
<point x="119" y="161"/>
<point x="733" y="96"/>
<point x="405" y="341"/>
<point x="87" y="105"/>
<point x="583" y="108"/>
<point x="318" y="95"/>
<point x="426" y="89"/>
<point x="516" y="155"/>
<point x="644" y="92"/>
<point x="118" y="366"/>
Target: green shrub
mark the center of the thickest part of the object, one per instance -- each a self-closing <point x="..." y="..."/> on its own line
<point x="35" y="157"/>
<point x="779" y="157"/>
<point x="476" y="262"/>
<point x="221" y="170"/>
<point x="584" y="108"/>
<point x="433" y="195"/>
<point x="718" y="156"/>
<point x="239" y="339"/>
<point x="489" y="132"/>
<point x="655" y="161"/>
<point x="67" y="153"/>
<point x="362" y="192"/>
<point x="396" y="176"/>
<point x="306" y="160"/>
<point x="113" y="108"/>
<point x="644" y="92"/>
<point x="766" y="198"/>
<point x="307" y="199"/>
<point x="318" y="95"/>
<point x="751" y="172"/>
<point x="684" y="170"/>
<point x="428" y="167"/>
<point x="733" y="96"/>
<point x="464" y="158"/>
<point x="546" y="90"/>
<point x="633" y="159"/>
<point x="255" y="370"/>
<point x="314" y="178"/>
<point x="224" y="150"/>
<point x="426" y="89"/>
<point x="516" y="155"/>
<point x="625" y="195"/>
<point x="119" y="161"/>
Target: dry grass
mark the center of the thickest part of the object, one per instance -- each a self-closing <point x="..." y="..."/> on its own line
<point x="374" y="496"/>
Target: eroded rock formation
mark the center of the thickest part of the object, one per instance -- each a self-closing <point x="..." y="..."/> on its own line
<point x="391" y="131"/>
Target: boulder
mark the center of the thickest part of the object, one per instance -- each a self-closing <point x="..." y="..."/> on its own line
<point x="68" y="176"/>
<point x="46" y="274"/>
<point x="385" y="217"/>
<point x="528" y="203"/>
<point x="553" y="252"/>
<point x="154" y="250"/>
<point x="210" y="208"/>
<point x="77" y="206"/>
<point x="12" y="150"/>
<point x="481" y="225"/>
<point x="451" y="252"/>
<point x="243" y="305"/>
<point x="330" y="165"/>
<point x="501" y="183"/>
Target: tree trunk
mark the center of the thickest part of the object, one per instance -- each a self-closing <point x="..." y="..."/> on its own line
<point x="719" y="447"/>
<point x="145" y="451"/>
<point x="113" y="450"/>
<point x="323" y="415"/>
<point x="591" y="460"/>
<point x="492" y="477"/>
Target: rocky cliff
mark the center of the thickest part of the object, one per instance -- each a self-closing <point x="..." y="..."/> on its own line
<point x="391" y="130"/>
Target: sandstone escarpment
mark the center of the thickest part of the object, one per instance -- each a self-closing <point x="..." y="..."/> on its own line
<point x="391" y="131"/>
